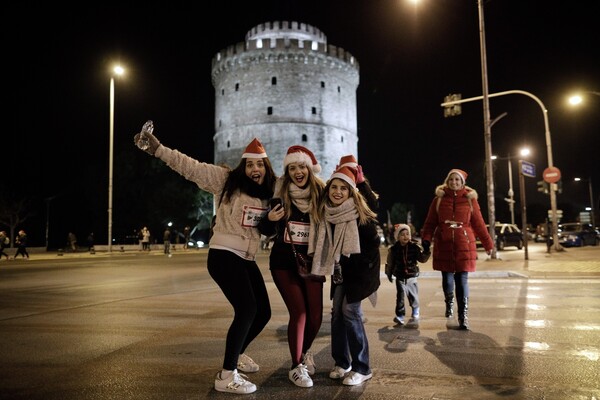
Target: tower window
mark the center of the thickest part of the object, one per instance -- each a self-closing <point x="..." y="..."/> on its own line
<point x="322" y="84"/>
<point x="269" y="110"/>
<point x="237" y="87"/>
<point x="222" y="92"/>
<point x="314" y="110"/>
<point x="339" y="89"/>
<point x="274" y="80"/>
<point x="342" y="139"/>
<point x="220" y="123"/>
<point x="228" y="144"/>
<point x="304" y="138"/>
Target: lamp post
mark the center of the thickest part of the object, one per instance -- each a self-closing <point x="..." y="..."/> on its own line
<point x="591" y="199"/>
<point x="510" y="200"/>
<point x="117" y="70"/>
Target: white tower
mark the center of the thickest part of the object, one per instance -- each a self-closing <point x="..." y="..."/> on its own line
<point x="286" y="86"/>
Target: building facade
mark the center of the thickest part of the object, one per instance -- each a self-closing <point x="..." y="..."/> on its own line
<point x="286" y="86"/>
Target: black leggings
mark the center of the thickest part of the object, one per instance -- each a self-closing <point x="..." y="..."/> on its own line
<point x="304" y="301"/>
<point x="244" y="287"/>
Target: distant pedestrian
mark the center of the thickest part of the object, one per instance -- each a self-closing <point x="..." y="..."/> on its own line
<point x="167" y="241"/>
<point x="90" y="241"/>
<point x="186" y="237"/>
<point x="21" y="241"/>
<point x="4" y="242"/>
<point x="72" y="241"/>
<point x="145" y="238"/>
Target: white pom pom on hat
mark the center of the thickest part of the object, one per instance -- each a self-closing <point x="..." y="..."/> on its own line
<point x="255" y="150"/>
<point x="302" y="155"/>
<point x="345" y="174"/>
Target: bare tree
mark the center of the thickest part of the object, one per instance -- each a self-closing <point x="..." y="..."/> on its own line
<point x="13" y="212"/>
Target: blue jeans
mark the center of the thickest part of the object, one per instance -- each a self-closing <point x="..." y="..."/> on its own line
<point x="349" y="344"/>
<point x="460" y="279"/>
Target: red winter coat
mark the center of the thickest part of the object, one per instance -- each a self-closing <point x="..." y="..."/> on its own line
<point x="453" y="224"/>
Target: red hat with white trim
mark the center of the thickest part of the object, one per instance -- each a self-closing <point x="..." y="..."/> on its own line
<point x="255" y="150"/>
<point x="346" y="175"/>
<point x="348" y="161"/>
<point x="463" y="175"/>
<point x="301" y="155"/>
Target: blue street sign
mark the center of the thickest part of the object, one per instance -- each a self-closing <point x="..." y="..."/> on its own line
<point x="528" y="169"/>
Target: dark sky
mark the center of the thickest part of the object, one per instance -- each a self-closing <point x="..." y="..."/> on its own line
<point x="57" y="68"/>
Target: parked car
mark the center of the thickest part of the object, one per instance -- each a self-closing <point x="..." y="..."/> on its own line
<point x="507" y="235"/>
<point x="576" y="234"/>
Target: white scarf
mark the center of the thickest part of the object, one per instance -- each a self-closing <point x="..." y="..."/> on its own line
<point x="326" y="247"/>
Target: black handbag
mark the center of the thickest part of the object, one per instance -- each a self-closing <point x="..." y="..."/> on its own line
<point x="304" y="263"/>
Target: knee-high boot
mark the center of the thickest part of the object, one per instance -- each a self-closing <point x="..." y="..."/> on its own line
<point x="449" y="298"/>
<point x="463" y="308"/>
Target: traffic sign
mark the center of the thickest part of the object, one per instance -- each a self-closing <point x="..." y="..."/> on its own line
<point x="528" y="169"/>
<point x="551" y="175"/>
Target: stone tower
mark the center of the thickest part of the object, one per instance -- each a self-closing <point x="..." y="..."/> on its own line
<point x="286" y="86"/>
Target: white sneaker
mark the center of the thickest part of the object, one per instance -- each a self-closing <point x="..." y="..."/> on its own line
<point x="246" y="364"/>
<point x="354" y="378"/>
<point x="300" y="377"/>
<point x="399" y="319"/>
<point x="309" y="361"/>
<point x="339" y="372"/>
<point x="235" y="383"/>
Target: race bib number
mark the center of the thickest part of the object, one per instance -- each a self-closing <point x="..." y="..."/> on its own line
<point x="297" y="232"/>
<point x="251" y="216"/>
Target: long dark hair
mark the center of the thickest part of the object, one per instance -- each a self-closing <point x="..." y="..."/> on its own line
<point x="238" y="180"/>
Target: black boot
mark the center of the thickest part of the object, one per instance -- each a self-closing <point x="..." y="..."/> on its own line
<point x="449" y="298"/>
<point x="463" y="308"/>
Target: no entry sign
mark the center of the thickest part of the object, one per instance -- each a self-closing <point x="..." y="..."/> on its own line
<point x="551" y="175"/>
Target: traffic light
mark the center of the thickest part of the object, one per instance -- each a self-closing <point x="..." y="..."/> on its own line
<point x="451" y="110"/>
<point x="542" y="186"/>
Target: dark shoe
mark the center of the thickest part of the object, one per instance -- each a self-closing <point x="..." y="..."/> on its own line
<point x="463" y="319"/>
<point x="449" y="299"/>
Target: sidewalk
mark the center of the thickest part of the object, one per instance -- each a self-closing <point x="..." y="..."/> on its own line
<point x="572" y="262"/>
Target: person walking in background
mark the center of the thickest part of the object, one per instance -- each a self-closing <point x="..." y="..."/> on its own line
<point x="402" y="262"/>
<point x="186" y="237"/>
<point x="453" y="223"/>
<point x="72" y="241"/>
<point x="90" y="241"/>
<point x="21" y="241"/>
<point x="167" y="241"/>
<point x="4" y="242"/>
<point x="242" y="196"/>
<point x="292" y="219"/>
<point x="145" y="238"/>
<point x="347" y="246"/>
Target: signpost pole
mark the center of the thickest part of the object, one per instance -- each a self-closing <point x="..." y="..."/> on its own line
<point x="523" y="210"/>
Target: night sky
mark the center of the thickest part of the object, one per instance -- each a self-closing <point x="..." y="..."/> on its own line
<point x="57" y="66"/>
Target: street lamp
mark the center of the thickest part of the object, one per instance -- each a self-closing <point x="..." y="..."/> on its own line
<point x="117" y="70"/>
<point x="577" y="98"/>
<point x="591" y="198"/>
<point x="510" y="200"/>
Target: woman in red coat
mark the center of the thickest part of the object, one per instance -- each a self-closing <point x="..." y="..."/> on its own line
<point x="453" y="222"/>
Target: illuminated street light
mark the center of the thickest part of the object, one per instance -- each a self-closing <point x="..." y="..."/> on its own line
<point x="577" y="99"/>
<point x="117" y="70"/>
<point x="589" y="180"/>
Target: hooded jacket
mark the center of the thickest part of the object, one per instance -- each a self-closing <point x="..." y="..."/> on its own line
<point x="453" y="223"/>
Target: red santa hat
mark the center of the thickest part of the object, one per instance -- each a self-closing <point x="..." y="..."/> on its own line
<point x="348" y="161"/>
<point x="301" y="155"/>
<point x="463" y="175"/>
<point x="345" y="174"/>
<point x="399" y="228"/>
<point x="255" y="150"/>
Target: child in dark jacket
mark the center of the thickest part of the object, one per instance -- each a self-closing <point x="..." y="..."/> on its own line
<point x="402" y="262"/>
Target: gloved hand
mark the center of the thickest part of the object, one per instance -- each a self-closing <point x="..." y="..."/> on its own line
<point x="145" y="140"/>
<point x="390" y="277"/>
<point x="360" y="177"/>
<point x="426" y="245"/>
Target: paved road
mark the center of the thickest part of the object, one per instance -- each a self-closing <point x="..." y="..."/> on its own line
<point x="148" y="326"/>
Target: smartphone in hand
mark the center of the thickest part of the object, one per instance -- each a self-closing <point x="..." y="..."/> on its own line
<point x="274" y="202"/>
